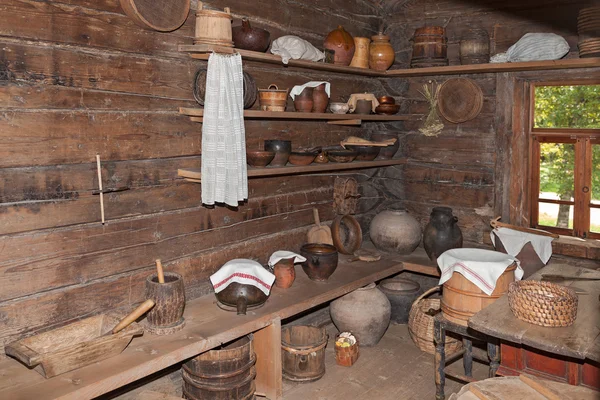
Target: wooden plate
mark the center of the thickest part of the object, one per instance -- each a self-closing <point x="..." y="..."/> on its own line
<point x="460" y="100"/>
<point x="162" y="16"/>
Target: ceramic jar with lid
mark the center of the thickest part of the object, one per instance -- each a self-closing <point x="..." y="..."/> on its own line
<point x="381" y="53"/>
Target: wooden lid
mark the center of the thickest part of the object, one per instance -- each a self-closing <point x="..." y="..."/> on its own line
<point x="460" y="100"/>
<point x="162" y="16"/>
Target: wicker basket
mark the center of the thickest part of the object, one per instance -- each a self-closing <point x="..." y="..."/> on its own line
<point x="543" y="303"/>
<point x="420" y="324"/>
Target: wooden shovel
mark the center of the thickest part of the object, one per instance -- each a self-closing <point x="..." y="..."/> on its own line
<point x="319" y="233"/>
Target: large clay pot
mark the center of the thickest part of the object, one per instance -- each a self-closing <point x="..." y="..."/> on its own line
<point x="249" y="38"/>
<point x="396" y="231"/>
<point x="303" y="102"/>
<point x="320" y="99"/>
<point x="441" y="233"/>
<point x="361" y="52"/>
<point x="342" y="44"/>
<point x="321" y="260"/>
<point x="364" y="312"/>
<point x="401" y="293"/>
<point x="381" y="53"/>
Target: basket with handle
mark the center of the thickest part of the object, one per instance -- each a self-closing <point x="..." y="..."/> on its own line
<point x="420" y="324"/>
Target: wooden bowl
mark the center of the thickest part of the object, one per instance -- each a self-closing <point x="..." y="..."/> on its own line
<point x="259" y="158"/>
<point x="302" y="157"/>
<point x="341" y="156"/>
<point x="387" y="109"/>
<point x="346" y="234"/>
<point x="364" y="153"/>
<point x="386" y="100"/>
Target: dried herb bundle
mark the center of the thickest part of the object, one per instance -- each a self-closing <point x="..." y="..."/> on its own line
<point x="433" y="125"/>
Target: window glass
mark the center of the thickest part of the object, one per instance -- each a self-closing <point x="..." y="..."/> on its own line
<point x="567" y="106"/>
<point x="595" y="212"/>
<point x="557" y="175"/>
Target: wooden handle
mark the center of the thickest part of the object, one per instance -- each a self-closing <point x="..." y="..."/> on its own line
<point x="159" y="271"/>
<point x="316" y="215"/>
<point x="227" y="10"/>
<point x="495" y="223"/>
<point x="135" y="314"/>
<point x="542" y="389"/>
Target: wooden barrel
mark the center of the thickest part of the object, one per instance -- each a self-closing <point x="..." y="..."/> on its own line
<point x="213" y="27"/>
<point x="220" y="374"/>
<point x="166" y="316"/>
<point x="461" y="298"/>
<point x="430" y="47"/>
<point x="475" y="47"/>
<point x="303" y="353"/>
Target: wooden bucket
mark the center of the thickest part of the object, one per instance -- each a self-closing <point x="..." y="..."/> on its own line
<point x="475" y="49"/>
<point x="272" y="98"/>
<point x="461" y="298"/>
<point x="220" y="374"/>
<point x="303" y="353"/>
<point x="213" y="27"/>
<point x="430" y="47"/>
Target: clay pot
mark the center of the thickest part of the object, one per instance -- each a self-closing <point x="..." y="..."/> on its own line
<point x="285" y="273"/>
<point x="396" y="231"/>
<point x="321" y="260"/>
<point x="249" y="38"/>
<point x="361" y="52"/>
<point x="363" y="107"/>
<point x="441" y="233"/>
<point x="303" y="102"/>
<point x="365" y="312"/>
<point x="241" y="296"/>
<point x="401" y="293"/>
<point x="381" y="53"/>
<point x="387" y="152"/>
<point x="282" y="149"/>
<point x="320" y="99"/>
<point x="342" y="44"/>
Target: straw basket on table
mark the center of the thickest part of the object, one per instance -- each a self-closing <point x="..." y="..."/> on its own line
<point x="420" y="324"/>
<point x="543" y="303"/>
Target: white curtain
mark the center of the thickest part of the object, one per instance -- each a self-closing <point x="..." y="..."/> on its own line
<point x="224" y="173"/>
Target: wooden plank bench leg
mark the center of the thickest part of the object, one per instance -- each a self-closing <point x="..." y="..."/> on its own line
<point x="267" y="345"/>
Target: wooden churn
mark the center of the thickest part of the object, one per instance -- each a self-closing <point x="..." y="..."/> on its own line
<point x="213" y="27"/>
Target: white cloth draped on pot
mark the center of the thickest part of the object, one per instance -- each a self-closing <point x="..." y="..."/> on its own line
<point x="224" y="171"/>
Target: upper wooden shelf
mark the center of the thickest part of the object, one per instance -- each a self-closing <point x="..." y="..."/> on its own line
<point x="194" y="174"/>
<point x="202" y="52"/>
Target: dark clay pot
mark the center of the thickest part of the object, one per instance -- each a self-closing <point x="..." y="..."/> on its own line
<point x="241" y="296"/>
<point x="363" y="107"/>
<point x="401" y="293"/>
<point x="388" y="152"/>
<point x="441" y="233"/>
<point x="282" y="149"/>
<point x="303" y="102"/>
<point x="321" y="260"/>
<point x="320" y="99"/>
<point x="249" y="38"/>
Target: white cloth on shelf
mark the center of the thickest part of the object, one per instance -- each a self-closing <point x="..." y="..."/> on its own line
<point x="294" y="47"/>
<point x="482" y="267"/>
<point x="299" y="88"/>
<point x="284" y="255"/>
<point x="241" y="270"/>
<point x="514" y="241"/>
<point x="224" y="171"/>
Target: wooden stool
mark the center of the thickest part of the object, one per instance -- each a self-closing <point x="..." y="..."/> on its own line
<point x="440" y="326"/>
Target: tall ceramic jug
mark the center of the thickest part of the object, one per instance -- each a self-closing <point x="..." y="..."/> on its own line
<point x="441" y="233"/>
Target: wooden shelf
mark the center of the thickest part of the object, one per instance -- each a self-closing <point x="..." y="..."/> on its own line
<point x="196" y="115"/>
<point x="202" y="52"/>
<point x="207" y="326"/>
<point x="194" y="174"/>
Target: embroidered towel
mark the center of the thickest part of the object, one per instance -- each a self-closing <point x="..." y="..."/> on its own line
<point x="244" y="271"/>
<point x="482" y="267"/>
<point x="284" y="255"/>
<point x="514" y="241"/>
<point x="224" y="171"/>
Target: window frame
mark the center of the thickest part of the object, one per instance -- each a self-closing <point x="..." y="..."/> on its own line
<point x="582" y="139"/>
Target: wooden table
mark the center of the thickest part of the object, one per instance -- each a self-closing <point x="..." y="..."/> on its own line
<point x="570" y="354"/>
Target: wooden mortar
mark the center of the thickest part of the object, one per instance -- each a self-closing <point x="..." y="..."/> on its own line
<point x="167" y="315"/>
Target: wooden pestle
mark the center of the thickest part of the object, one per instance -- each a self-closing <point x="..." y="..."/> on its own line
<point x="159" y="271"/>
<point x="135" y="314"/>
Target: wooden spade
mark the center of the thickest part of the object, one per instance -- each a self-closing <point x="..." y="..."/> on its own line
<point x="319" y="233"/>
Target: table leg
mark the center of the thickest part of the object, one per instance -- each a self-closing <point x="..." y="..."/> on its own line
<point x="493" y="350"/>
<point x="468" y="357"/>
<point x="267" y="346"/>
<point x="439" y="339"/>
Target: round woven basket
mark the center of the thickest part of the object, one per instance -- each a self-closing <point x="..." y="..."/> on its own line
<point x="420" y="324"/>
<point x="543" y="303"/>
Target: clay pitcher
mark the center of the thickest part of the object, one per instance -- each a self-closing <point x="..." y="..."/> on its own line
<point x="381" y="53"/>
<point x="441" y="233"/>
<point x="342" y="44"/>
<point x="249" y="38"/>
<point x="320" y="99"/>
<point x="285" y="273"/>
<point x="303" y="102"/>
<point x="361" y="52"/>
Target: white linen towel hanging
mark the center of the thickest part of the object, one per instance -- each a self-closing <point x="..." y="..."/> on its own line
<point x="224" y="171"/>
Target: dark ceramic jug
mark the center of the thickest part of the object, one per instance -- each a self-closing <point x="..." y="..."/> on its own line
<point x="441" y="233"/>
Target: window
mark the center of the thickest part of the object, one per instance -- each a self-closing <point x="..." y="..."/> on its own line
<point x="565" y="159"/>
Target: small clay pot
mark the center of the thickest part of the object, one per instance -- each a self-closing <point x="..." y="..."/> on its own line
<point x="363" y="107"/>
<point x="302" y="157"/>
<point x="259" y="158"/>
<point x="303" y="102"/>
<point x="321" y="260"/>
<point x="386" y="100"/>
<point x="320" y="99"/>
<point x="381" y="53"/>
<point x="282" y="149"/>
<point x="285" y="273"/>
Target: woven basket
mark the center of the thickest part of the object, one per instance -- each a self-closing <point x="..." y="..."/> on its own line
<point x="543" y="303"/>
<point x="420" y="324"/>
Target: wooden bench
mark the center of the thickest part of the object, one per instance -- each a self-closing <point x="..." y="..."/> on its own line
<point x="207" y="327"/>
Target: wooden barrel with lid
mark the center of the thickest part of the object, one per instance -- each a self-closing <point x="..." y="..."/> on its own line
<point x="430" y="47"/>
<point x="213" y="27"/>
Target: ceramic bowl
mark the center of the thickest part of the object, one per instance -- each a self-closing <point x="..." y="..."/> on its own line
<point x="364" y="153"/>
<point x="282" y="149"/>
<point x="386" y="100"/>
<point x="339" y="108"/>
<point x="302" y="157"/>
<point x="387" y="109"/>
<point x="341" y="156"/>
<point x="259" y="158"/>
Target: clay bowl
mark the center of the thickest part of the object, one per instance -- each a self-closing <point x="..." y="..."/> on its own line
<point x="346" y="234"/>
<point x="302" y="157"/>
<point x="387" y="109"/>
<point x="282" y="149"/>
<point x="387" y="152"/>
<point x="339" y="108"/>
<point x="364" y="153"/>
<point x="386" y="100"/>
<point x="259" y="158"/>
<point x="341" y="156"/>
<point x="241" y="296"/>
<point x="321" y="260"/>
